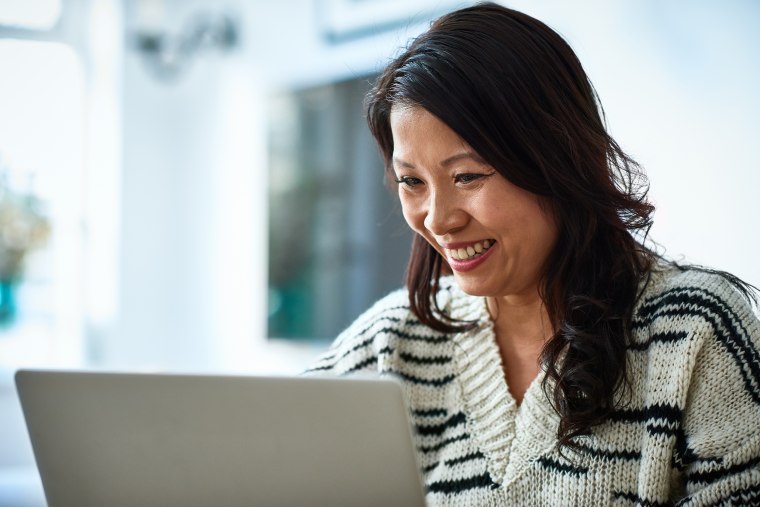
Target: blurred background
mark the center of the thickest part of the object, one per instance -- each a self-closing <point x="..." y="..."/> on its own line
<point x="188" y="185"/>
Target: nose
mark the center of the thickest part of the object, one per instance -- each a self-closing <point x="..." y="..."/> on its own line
<point x="443" y="214"/>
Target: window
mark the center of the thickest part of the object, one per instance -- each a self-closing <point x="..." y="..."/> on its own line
<point x="337" y="239"/>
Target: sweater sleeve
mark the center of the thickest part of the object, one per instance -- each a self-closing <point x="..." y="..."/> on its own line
<point x="719" y="448"/>
<point x="362" y="346"/>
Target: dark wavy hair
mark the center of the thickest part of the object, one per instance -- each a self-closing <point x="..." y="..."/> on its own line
<point x="514" y="90"/>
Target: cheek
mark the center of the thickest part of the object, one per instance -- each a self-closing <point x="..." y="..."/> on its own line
<point x="546" y="234"/>
<point x="550" y="225"/>
<point x="412" y="214"/>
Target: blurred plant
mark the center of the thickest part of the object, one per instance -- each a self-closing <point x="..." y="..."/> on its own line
<point x="23" y="228"/>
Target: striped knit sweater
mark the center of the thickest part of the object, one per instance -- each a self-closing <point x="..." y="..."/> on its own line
<point x="687" y="434"/>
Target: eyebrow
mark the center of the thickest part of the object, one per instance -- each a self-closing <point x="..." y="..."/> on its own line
<point x="446" y="162"/>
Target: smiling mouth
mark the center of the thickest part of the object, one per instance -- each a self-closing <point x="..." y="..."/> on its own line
<point x="469" y="252"/>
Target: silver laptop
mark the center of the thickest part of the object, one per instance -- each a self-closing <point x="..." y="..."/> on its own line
<point x="194" y="440"/>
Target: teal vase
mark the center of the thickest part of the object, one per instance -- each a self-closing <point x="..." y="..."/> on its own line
<point x="7" y="302"/>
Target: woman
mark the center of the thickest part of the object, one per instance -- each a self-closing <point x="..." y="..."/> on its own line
<point x="562" y="363"/>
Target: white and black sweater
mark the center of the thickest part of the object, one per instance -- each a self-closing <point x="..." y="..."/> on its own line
<point x="688" y="433"/>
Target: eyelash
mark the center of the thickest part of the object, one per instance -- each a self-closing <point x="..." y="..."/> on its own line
<point x="465" y="178"/>
<point x="409" y="181"/>
<point x="469" y="177"/>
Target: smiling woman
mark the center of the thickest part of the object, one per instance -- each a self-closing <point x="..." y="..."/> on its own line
<point x="564" y="361"/>
<point x="495" y="236"/>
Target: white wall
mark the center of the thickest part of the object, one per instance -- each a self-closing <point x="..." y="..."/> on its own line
<point x="188" y="215"/>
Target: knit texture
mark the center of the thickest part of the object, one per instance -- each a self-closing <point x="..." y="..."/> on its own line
<point x="687" y="433"/>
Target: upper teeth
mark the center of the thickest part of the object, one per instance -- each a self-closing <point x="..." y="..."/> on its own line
<point x="465" y="253"/>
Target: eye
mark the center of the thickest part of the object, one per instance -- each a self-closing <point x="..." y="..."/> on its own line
<point x="409" y="181"/>
<point x="468" y="177"/>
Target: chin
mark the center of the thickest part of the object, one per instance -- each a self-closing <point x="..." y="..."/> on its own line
<point x="473" y="287"/>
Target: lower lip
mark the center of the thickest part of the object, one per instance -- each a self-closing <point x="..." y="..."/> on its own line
<point x="470" y="264"/>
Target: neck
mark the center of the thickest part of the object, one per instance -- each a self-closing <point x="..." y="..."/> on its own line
<point x="521" y="320"/>
<point x="522" y="328"/>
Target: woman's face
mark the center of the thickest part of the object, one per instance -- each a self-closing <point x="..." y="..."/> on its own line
<point x="495" y="236"/>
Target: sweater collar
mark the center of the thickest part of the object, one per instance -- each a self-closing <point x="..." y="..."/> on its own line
<point x="508" y="435"/>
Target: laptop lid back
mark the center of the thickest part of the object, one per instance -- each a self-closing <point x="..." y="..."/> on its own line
<point x="192" y="440"/>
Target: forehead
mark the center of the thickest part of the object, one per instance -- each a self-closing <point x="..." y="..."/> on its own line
<point x="406" y="117"/>
<point x="417" y="131"/>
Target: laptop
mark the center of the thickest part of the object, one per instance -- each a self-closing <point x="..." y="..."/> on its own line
<point x="147" y="440"/>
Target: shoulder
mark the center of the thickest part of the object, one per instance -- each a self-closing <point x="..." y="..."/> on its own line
<point x="387" y="330"/>
<point x="391" y="310"/>
<point x="699" y="324"/>
<point x="702" y="294"/>
<point x="362" y="345"/>
<point x="695" y="351"/>
<point x="393" y="313"/>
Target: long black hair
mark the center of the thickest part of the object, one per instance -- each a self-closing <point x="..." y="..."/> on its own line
<point x="514" y="90"/>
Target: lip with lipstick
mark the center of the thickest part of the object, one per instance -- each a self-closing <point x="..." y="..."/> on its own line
<point x="466" y="256"/>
